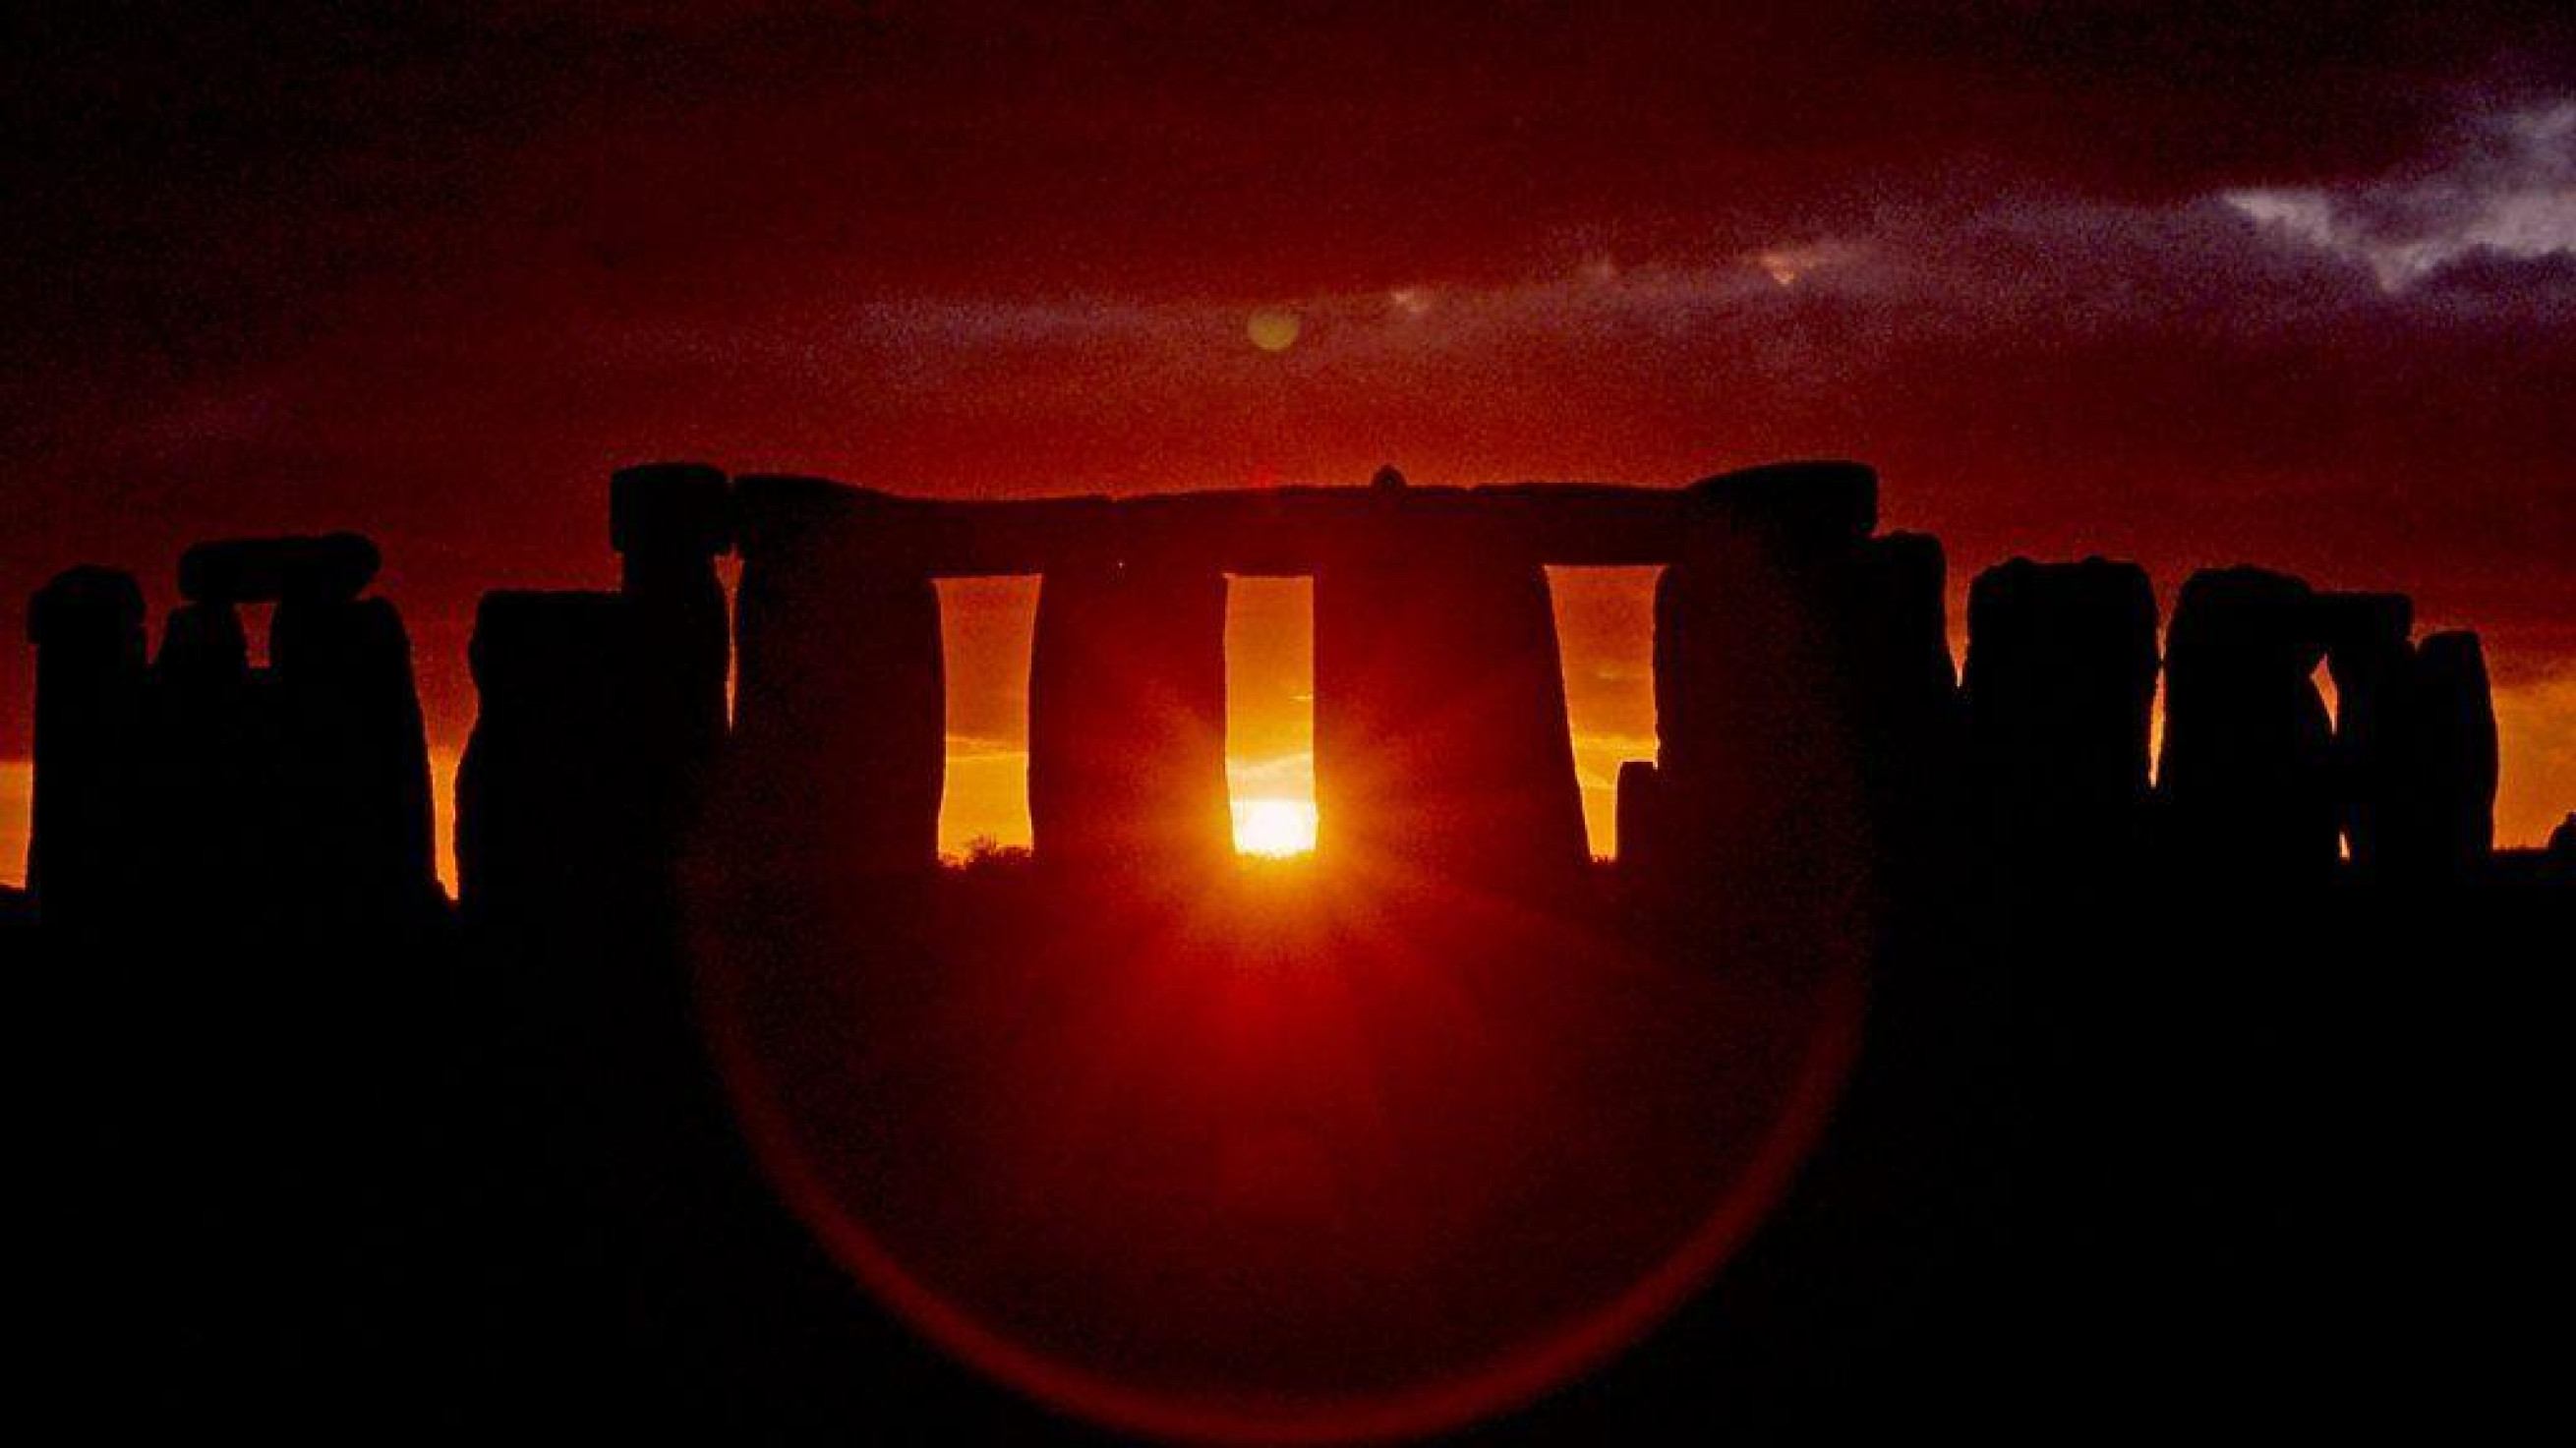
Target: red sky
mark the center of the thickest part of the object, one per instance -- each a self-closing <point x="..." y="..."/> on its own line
<point x="2197" y="284"/>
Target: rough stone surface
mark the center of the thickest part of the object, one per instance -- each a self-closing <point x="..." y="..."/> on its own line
<point x="1639" y="824"/>
<point x="2446" y="764"/>
<point x="2057" y="690"/>
<point x="1127" y="718"/>
<point x="2248" y="773"/>
<point x="354" y="757"/>
<point x="87" y="625"/>
<point x="1441" y="744"/>
<point x="1756" y="756"/>
<point x="332" y="566"/>
<point x="2368" y="657"/>
<point x="547" y="794"/>
<point x="683" y="509"/>
<point x="1807" y="505"/>
<point x="840" y="740"/>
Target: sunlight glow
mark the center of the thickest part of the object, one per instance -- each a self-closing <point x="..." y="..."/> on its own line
<point x="1275" y="828"/>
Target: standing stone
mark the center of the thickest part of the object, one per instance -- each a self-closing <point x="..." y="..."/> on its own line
<point x="1640" y="826"/>
<point x="2446" y="765"/>
<point x="840" y="736"/>
<point x="670" y="522"/>
<point x="1127" y="718"/>
<point x="1757" y="770"/>
<point x="2058" y="687"/>
<point x="1904" y="698"/>
<point x="1442" y="750"/>
<point x="2368" y="657"/>
<point x="87" y="626"/>
<point x="210" y="836"/>
<point x="334" y="567"/>
<point x="355" y="759"/>
<point x="548" y="815"/>
<point x="2247" y="771"/>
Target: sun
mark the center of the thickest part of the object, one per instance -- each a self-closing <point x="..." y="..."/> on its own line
<point x="1275" y="828"/>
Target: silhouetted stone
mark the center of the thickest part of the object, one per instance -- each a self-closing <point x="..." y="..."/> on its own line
<point x="840" y="710"/>
<point x="210" y="837"/>
<point x="356" y="797"/>
<point x="2060" y="677"/>
<point x="1441" y="744"/>
<point x="333" y="566"/>
<point x="670" y="522"/>
<point x="2562" y="848"/>
<point x="1755" y="765"/>
<point x="1639" y="824"/>
<point x="1127" y="718"/>
<point x="2248" y="767"/>
<point x="1894" y="643"/>
<point x="2446" y="764"/>
<point x="1805" y="506"/>
<point x="87" y="626"/>
<point x="2368" y="657"/>
<point x="548" y="792"/>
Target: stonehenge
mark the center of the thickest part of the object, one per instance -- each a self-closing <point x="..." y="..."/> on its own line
<point x="1802" y="675"/>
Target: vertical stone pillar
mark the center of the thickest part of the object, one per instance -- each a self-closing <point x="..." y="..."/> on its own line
<point x="1127" y="718"/>
<point x="210" y="830"/>
<point x="1442" y="750"/>
<point x="840" y="706"/>
<point x="1904" y="699"/>
<point x="547" y="798"/>
<point x="2057" y="692"/>
<point x="1640" y="826"/>
<point x="2368" y="657"/>
<point x="670" y="522"/>
<point x="355" y="756"/>
<point x="2247" y="772"/>
<point x="87" y="626"/>
<point x="1757" y="770"/>
<point x="2446" y="764"/>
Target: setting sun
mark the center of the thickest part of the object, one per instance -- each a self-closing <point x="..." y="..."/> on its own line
<point x="1274" y="827"/>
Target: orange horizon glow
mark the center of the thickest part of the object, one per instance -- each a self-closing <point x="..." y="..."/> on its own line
<point x="1604" y="622"/>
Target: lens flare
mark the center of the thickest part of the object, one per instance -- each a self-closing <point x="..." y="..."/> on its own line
<point x="1275" y="828"/>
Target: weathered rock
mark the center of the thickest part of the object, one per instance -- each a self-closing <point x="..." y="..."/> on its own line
<point x="1894" y="643"/>
<point x="2057" y="690"/>
<point x="355" y="760"/>
<point x="2446" y="764"/>
<point x="1441" y="744"/>
<point x="1127" y="718"/>
<point x="87" y="626"/>
<point x="332" y="566"/>
<point x="2368" y="656"/>
<point x="548" y="794"/>
<point x="1807" y="506"/>
<point x="2247" y="772"/>
<point x="1757" y="767"/>
<point x="1639" y="824"/>
<point x="840" y="706"/>
<point x="670" y="510"/>
<point x="210" y="759"/>
<point x="670" y="522"/>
